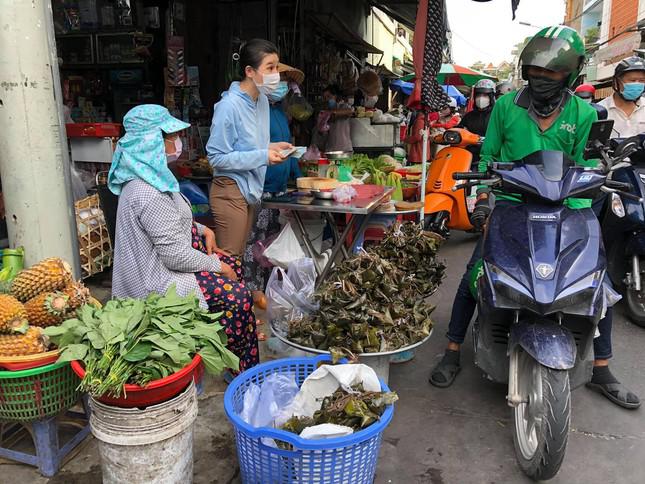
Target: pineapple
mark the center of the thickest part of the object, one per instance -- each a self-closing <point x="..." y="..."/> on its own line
<point x="13" y="317"/>
<point x="32" y="342"/>
<point x="48" y="275"/>
<point x="77" y="293"/>
<point x="47" y="309"/>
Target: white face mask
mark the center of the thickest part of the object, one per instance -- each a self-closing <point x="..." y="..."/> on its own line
<point x="170" y="157"/>
<point x="482" y="102"/>
<point x="270" y="83"/>
<point x="370" y="101"/>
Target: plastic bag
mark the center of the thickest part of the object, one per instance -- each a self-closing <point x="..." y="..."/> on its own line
<point x="290" y="293"/>
<point x="312" y="154"/>
<point x="284" y="249"/>
<point x="258" y="250"/>
<point x="302" y="273"/>
<point x="344" y="193"/>
<point x="262" y="404"/>
<point x="298" y="108"/>
<point x="78" y="188"/>
<point x="323" y="382"/>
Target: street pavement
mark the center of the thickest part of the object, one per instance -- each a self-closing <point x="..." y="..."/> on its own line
<point x="458" y="435"/>
<point x="463" y="435"/>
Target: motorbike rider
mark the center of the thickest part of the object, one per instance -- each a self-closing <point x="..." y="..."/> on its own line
<point x="448" y="116"/>
<point x="476" y="121"/>
<point x="587" y="93"/>
<point x="502" y="88"/>
<point x="624" y="105"/>
<point x="541" y="116"/>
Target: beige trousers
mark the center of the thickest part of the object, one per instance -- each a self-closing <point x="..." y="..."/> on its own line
<point x="232" y="215"/>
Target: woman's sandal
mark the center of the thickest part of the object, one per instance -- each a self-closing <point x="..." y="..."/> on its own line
<point x="261" y="336"/>
<point x="617" y="393"/>
<point x="443" y="375"/>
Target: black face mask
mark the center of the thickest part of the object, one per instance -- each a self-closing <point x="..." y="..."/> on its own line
<point x="546" y="94"/>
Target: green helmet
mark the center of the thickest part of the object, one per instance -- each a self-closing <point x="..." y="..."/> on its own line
<point x="558" y="48"/>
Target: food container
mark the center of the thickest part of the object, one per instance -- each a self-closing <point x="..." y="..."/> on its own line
<point x="324" y="194"/>
<point x="410" y="191"/>
<point x="323" y="167"/>
<point x="316" y="183"/>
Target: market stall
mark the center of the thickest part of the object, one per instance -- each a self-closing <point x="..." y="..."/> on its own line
<point x="359" y="211"/>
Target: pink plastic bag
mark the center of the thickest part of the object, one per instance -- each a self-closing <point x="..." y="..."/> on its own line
<point x="344" y="193"/>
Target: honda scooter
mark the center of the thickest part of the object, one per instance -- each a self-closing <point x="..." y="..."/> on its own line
<point x="540" y="297"/>
<point x="444" y="208"/>
<point x="623" y="228"/>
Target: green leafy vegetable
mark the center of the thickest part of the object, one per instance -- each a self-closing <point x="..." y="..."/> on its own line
<point x="137" y="341"/>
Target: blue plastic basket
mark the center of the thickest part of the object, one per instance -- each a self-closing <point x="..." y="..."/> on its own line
<point x="350" y="459"/>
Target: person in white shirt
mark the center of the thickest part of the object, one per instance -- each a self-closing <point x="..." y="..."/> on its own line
<point x="625" y="106"/>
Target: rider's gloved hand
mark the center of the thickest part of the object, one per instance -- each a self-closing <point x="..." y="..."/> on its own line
<point x="481" y="213"/>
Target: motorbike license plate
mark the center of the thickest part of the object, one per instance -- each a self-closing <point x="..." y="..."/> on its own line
<point x="470" y="202"/>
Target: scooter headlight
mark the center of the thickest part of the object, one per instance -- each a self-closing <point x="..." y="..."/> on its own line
<point x="617" y="205"/>
<point x="590" y="282"/>
<point x="509" y="287"/>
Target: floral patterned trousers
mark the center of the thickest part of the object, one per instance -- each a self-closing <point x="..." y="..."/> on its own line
<point x="235" y="302"/>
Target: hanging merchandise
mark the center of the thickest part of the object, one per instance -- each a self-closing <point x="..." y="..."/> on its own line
<point x="348" y="75"/>
<point x="430" y="34"/>
<point x="432" y="95"/>
<point x="176" y="62"/>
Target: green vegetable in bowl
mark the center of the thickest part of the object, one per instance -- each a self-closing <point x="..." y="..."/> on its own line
<point x="137" y="341"/>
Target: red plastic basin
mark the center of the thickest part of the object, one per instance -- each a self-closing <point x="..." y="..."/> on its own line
<point x="156" y="391"/>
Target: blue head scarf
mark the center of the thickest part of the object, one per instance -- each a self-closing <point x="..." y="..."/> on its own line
<point x="140" y="153"/>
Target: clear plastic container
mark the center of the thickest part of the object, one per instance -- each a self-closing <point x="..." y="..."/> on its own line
<point x="323" y="167"/>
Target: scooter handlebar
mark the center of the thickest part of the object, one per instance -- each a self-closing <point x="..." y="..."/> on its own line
<point x="618" y="185"/>
<point x="470" y="176"/>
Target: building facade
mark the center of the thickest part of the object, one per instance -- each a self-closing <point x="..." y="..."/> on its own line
<point x="611" y="30"/>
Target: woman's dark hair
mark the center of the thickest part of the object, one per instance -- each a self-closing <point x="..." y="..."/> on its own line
<point x="253" y="52"/>
<point x="333" y="89"/>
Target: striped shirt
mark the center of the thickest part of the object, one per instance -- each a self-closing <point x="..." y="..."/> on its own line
<point x="153" y="247"/>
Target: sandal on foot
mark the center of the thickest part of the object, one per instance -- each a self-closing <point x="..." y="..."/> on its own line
<point x="443" y="375"/>
<point x="262" y="336"/>
<point x="617" y="394"/>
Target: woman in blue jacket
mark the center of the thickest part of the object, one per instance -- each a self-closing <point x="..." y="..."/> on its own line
<point x="239" y="149"/>
<point x="277" y="176"/>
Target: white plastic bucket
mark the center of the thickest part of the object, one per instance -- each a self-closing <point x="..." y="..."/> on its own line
<point x="151" y="446"/>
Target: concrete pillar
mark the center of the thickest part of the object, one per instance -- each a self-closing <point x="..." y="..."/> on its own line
<point x="34" y="162"/>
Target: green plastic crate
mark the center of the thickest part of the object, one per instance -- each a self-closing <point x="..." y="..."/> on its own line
<point x="37" y="393"/>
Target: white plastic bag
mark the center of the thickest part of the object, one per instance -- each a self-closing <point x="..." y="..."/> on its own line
<point x="284" y="249"/>
<point x="325" y="381"/>
<point x="290" y="293"/>
<point x="264" y="403"/>
<point x="326" y="431"/>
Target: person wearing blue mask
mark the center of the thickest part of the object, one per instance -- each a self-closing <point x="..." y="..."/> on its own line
<point x="275" y="182"/>
<point x="624" y="107"/>
<point x="340" y="112"/>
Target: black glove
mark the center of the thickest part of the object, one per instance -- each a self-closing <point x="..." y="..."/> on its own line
<point x="480" y="214"/>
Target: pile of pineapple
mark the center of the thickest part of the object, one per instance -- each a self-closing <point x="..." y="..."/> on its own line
<point x="43" y="295"/>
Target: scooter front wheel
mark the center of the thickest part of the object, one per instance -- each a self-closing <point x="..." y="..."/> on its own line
<point x="636" y="306"/>
<point x="541" y="421"/>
